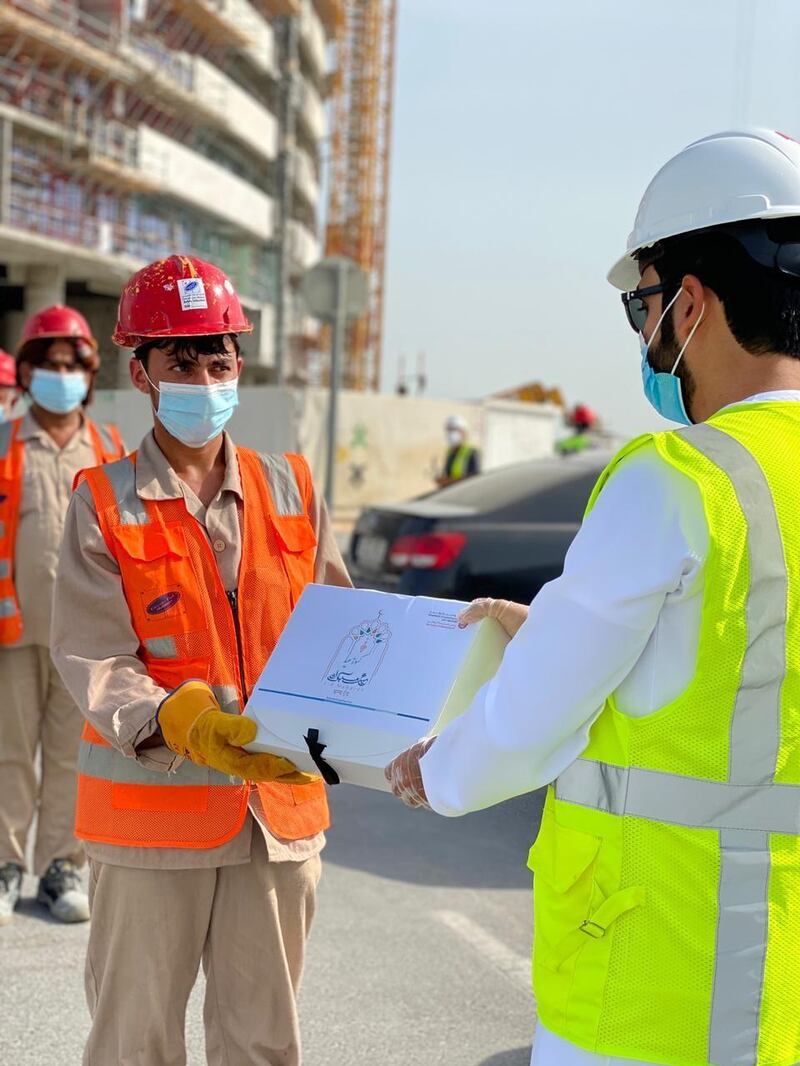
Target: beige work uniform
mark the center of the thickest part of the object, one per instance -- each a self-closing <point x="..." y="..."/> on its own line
<point x="243" y="908"/>
<point x="37" y="712"/>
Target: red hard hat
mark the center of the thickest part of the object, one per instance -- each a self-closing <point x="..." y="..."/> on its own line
<point x="178" y="297"/>
<point x="8" y="370"/>
<point x="56" y="321"/>
<point x="583" y="416"/>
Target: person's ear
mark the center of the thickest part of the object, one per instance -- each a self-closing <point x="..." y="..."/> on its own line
<point x="689" y="306"/>
<point x="138" y="377"/>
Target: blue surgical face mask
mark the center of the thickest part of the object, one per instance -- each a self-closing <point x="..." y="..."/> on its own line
<point x="664" y="390"/>
<point x="56" y="392"/>
<point x="195" y="414"/>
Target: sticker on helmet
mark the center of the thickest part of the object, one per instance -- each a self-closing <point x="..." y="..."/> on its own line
<point x="193" y="294"/>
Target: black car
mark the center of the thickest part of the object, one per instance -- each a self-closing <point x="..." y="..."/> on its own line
<point x="503" y="533"/>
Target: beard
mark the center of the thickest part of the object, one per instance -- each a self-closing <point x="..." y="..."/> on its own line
<point x="662" y="356"/>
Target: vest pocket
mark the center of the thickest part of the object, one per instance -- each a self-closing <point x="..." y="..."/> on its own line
<point x="571" y="910"/>
<point x="295" y="532"/>
<point x="297" y="540"/>
<point x="159" y="581"/>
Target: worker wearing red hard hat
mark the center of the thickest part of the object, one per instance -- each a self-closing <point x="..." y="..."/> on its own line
<point x="193" y="551"/>
<point x="8" y="384"/>
<point x="582" y="420"/>
<point x="40" y="454"/>
<point x="583" y="417"/>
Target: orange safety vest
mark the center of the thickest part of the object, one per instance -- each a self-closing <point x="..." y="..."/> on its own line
<point x="189" y="627"/>
<point x="108" y="447"/>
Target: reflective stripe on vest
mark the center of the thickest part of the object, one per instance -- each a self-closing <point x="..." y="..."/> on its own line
<point x="8" y="431"/>
<point x="745" y="808"/>
<point x="181" y="614"/>
<point x="95" y="760"/>
<point x="107" y="442"/>
<point x="283" y="485"/>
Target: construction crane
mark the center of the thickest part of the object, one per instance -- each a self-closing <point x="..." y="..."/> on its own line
<point x="359" y="169"/>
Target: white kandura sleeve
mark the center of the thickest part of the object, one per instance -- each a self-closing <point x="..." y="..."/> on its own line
<point x="585" y="632"/>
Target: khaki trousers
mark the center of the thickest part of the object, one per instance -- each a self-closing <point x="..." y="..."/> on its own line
<point x="151" y="929"/>
<point x="36" y="711"/>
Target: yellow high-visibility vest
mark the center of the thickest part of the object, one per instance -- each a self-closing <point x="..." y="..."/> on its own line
<point x="458" y="464"/>
<point x="667" y="867"/>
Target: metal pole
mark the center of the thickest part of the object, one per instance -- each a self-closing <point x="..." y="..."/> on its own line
<point x="337" y="347"/>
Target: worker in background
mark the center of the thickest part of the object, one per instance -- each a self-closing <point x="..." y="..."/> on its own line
<point x="8" y="385"/>
<point x="463" y="459"/>
<point x="656" y="683"/>
<point x="40" y="454"/>
<point x="582" y="420"/>
<point x="193" y="552"/>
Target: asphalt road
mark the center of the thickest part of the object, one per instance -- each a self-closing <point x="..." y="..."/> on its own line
<point x="419" y="955"/>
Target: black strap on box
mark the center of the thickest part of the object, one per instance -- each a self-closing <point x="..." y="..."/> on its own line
<point x="315" y="750"/>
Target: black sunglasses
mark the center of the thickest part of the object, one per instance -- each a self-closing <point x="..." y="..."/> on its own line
<point x="636" y="308"/>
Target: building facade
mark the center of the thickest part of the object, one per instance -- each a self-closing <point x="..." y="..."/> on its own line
<point x="132" y="129"/>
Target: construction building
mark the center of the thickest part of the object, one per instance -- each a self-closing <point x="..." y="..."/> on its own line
<point x="132" y="129"/>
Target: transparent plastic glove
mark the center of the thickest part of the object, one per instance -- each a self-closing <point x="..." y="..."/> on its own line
<point x="510" y="615"/>
<point x="405" y="776"/>
<point x="193" y="725"/>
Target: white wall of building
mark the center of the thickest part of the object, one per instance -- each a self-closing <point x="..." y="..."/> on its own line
<point x="516" y="431"/>
<point x="312" y="110"/>
<point x="262" y="38"/>
<point x="244" y="116"/>
<point x="304" y="175"/>
<point x="209" y="187"/>
<point x="312" y="34"/>
<point x="304" y="247"/>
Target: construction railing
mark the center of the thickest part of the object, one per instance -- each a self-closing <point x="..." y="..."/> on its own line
<point x="66" y="15"/>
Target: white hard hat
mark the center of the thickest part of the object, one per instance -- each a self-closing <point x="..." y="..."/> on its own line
<point x="736" y="176"/>
<point x="456" y="422"/>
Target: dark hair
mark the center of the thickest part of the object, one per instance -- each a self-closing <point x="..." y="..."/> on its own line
<point x="189" y="348"/>
<point x="34" y="352"/>
<point x="762" y="305"/>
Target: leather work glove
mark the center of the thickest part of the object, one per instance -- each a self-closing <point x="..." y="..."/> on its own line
<point x="193" y="725"/>
<point x="510" y="615"/>
<point x="405" y="776"/>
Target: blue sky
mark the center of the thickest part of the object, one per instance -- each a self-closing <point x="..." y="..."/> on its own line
<point x="525" y="133"/>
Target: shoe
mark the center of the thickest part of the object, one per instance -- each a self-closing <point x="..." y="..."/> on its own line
<point x="10" y="885"/>
<point x="61" y="891"/>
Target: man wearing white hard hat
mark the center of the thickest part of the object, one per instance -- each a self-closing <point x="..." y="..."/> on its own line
<point x="463" y="459"/>
<point x="655" y="686"/>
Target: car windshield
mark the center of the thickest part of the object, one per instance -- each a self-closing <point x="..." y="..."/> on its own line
<point x="550" y="490"/>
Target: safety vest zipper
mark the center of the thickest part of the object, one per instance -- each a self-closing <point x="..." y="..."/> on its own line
<point x="233" y="600"/>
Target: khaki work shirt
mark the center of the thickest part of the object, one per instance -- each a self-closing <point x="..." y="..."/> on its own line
<point x="95" y="646"/>
<point x="48" y="474"/>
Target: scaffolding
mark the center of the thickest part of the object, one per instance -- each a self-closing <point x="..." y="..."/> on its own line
<point x="360" y="158"/>
<point x="80" y="82"/>
<point x="85" y="85"/>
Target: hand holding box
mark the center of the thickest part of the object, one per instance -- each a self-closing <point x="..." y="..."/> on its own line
<point x="358" y="676"/>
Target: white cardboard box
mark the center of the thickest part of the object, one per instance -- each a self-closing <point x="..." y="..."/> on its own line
<point x="372" y="673"/>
